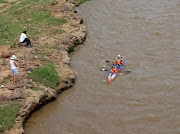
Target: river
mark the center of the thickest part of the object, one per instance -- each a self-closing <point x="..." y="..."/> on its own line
<point x="145" y="101"/>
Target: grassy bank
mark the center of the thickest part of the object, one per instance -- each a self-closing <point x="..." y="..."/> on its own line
<point x="8" y="111"/>
<point x="31" y="15"/>
<point x="34" y="17"/>
<point x="45" y="75"/>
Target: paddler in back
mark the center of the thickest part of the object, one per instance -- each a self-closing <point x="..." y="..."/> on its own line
<point x="113" y="68"/>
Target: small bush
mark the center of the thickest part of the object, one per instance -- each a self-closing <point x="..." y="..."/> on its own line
<point x="46" y="75"/>
<point x="8" y="111"/>
<point x="71" y="49"/>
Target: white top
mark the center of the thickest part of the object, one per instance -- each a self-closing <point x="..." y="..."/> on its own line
<point x="12" y="64"/>
<point x="22" y="37"/>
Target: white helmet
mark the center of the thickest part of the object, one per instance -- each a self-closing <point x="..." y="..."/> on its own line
<point x="119" y="55"/>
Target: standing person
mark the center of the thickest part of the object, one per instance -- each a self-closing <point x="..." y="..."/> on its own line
<point x="23" y="38"/>
<point x="13" y="65"/>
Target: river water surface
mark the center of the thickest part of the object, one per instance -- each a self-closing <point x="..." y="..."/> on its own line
<point x="145" y="101"/>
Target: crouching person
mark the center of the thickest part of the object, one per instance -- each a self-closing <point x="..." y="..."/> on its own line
<point x="23" y="38"/>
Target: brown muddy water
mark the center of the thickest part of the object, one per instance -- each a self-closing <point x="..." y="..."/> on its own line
<point x="145" y="101"/>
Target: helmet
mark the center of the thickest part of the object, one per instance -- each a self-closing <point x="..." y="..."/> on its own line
<point x="119" y="55"/>
<point x="114" y="62"/>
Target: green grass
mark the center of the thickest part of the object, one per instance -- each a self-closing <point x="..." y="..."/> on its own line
<point x="5" y="80"/>
<point x="81" y="1"/>
<point x="47" y="75"/>
<point x="57" y="31"/>
<point x="71" y="49"/>
<point x="3" y="1"/>
<point x="8" y="111"/>
<point x="41" y="53"/>
<point x="29" y="15"/>
<point x="36" y="88"/>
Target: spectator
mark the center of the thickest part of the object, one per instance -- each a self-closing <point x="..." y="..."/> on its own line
<point x="13" y="65"/>
<point x="23" y="38"/>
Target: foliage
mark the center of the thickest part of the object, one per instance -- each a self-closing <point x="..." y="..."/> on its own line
<point x="71" y="49"/>
<point x="36" y="88"/>
<point x="46" y="75"/>
<point x="5" y="80"/>
<point x="29" y="15"/>
<point x="81" y="1"/>
<point x="8" y="111"/>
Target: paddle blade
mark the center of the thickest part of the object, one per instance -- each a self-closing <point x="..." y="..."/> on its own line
<point x="128" y="71"/>
<point x="107" y="61"/>
<point x="103" y="70"/>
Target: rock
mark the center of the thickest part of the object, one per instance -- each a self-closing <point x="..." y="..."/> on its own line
<point x="72" y="78"/>
<point x="12" y="87"/>
<point x="16" y="95"/>
<point x="3" y="64"/>
<point x="4" y="51"/>
<point x="23" y="65"/>
<point x="27" y="69"/>
<point x="81" y="21"/>
<point x="20" y="44"/>
<point x="32" y="100"/>
<point x="5" y="74"/>
<point x="23" y="105"/>
<point x="5" y="54"/>
<point x="66" y="81"/>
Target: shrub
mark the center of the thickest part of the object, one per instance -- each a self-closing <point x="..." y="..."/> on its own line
<point x="71" y="49"/>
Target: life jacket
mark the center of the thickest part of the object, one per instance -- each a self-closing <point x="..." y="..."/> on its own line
<point x="114" y="69"/>
<point x="118" y="61"/>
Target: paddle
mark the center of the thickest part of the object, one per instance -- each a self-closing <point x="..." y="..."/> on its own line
<point x="120" y="71"/>
<point x="112" y="62"/>
<point x="104" y="70"/>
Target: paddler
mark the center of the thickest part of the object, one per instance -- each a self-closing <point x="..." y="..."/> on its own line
<point x="113" y="68"/>
<point x="118" y="56"/>
<point x="118" y="60"/>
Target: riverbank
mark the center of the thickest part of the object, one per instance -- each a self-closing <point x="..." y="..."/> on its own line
<point x="54" y="29"/>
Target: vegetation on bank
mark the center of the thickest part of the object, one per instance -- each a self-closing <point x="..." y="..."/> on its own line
<point x="31" y="15"/>
<point x="8" y="111"/>
<point x="35" y="17"/>
<point x="81" y="1"/>
<point x="46" y="75"/>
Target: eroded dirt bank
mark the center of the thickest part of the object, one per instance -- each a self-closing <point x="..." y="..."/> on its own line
<point x="56" y="50"/>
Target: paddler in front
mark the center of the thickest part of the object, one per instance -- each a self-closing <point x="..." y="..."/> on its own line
<point x="118" y="61"/>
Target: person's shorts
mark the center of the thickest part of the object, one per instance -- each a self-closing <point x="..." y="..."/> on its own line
<point x="14" y="70"/>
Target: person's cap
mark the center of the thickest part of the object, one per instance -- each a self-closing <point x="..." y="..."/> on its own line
<point x="119" y="55"/>
<point x="13" y="57"/>
<point x="24" y="31"/>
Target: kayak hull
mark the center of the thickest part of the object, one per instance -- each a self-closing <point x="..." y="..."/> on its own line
<point x="113" y="75"/>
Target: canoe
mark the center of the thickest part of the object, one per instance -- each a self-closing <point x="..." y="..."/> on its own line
<point x="113" y="75"/>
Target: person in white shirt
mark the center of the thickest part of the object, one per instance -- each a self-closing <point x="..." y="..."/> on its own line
<point x="13" y="65"/>
<point x="23" y="38"/>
